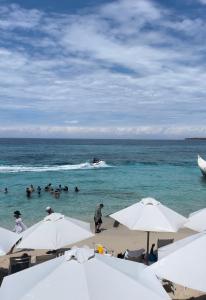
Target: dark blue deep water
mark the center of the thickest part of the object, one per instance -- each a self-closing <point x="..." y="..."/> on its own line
<point x="132" y="169"/>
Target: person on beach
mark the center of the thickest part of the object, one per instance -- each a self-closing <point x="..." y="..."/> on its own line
<point x="152" y="254"/>
<point x="19" y="225"/>
<point x="49" y="210"/>
<point x="98" y="217"/>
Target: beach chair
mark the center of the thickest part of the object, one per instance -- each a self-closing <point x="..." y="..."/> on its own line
<point x="42" y="258"/>
<point x="162" y="243"/>
<point x="135" y="255"/>
<point x="61" y="251"/>
<point x="19" y="263"/>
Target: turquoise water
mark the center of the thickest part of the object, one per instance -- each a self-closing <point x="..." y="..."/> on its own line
<point x="166" y="170"/>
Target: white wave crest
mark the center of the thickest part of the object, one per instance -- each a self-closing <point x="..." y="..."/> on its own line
<point x="46" y="168"/>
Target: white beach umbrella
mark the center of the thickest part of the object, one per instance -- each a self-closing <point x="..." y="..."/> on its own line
<point x="197" y="220"/>
<point x="54" y="232"/>
<point x="7" y="240"/>
<point x="149" y="215"/>
<point x="184" y="262"/>
<point x="79" y="275"/>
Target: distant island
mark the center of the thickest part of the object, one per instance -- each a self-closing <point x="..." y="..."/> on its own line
<point x="196" y="138"/>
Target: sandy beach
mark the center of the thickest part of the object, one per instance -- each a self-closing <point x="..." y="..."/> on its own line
<point x="116" y="240"/>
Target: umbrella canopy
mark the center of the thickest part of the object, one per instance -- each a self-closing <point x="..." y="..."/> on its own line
<point x="55" y="231"/>
<point x="7" y="240"/>
<point x="149" y="215"/>
<point x="80" y="275"/>
<point x="197" y="220"/>
<point x="184" y="262"/>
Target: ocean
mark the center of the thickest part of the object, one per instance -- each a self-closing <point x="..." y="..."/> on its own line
<point x="131" y="170"/>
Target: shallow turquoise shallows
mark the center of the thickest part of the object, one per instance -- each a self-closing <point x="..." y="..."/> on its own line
<point x="165" y="170"/>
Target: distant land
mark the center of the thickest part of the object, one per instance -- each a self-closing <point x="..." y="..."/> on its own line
<point x="196" y="138"/>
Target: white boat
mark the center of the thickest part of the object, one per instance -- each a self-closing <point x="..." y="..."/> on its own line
<point x="202" y="165"/>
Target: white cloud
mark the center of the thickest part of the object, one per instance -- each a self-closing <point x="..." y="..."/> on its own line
<point x="13" y="16"/>
<point x="142" y="132"/>
<point x="202" y="1"/>
<point x="71" y="122"/>
<point x="127" y="64"/>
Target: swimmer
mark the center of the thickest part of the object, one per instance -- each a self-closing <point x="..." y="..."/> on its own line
<point x="39" y="190"/>
<point x="31" y="188"/>
<point x="48" y="187"/>
<point x="57" y="193"/>
<point x="28" y="192"/>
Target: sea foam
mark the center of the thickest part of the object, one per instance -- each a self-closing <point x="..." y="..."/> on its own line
<point x="46" y="168"/>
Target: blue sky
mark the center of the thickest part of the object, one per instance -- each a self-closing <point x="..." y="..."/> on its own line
<point x="106" y="69"/>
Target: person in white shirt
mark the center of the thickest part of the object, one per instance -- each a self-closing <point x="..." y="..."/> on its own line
<point x="49" y="210"/>
<point x="19" y="225"/>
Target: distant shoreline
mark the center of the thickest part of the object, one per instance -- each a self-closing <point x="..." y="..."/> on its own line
<point x="196" y="138"/>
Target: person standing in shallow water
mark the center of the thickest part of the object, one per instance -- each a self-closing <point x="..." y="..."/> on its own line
<point x="28" y="192"/>
<point x="39" y="190"/>
<point x="98" y="217"/>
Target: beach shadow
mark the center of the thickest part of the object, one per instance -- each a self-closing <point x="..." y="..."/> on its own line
<point x="22" y="250"/>
<point x="203" y="297"/>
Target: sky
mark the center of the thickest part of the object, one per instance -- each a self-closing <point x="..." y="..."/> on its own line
<point x="103" y="69"/>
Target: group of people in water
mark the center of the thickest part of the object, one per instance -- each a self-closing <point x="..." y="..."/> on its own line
<point x="56" y="191"/>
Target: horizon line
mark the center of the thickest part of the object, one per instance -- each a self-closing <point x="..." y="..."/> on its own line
<point x="109" y="138"/>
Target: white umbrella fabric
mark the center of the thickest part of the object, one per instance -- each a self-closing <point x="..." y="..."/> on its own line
<point x="80" y="275"/>
<point x="54" y="232"/>
<point x="197" y="220"/>
<point x="7" y="240"/>
<point x="184" y="262"/>
<point x="149" y="215"/>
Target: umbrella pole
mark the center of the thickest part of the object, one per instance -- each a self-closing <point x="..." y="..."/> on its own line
<point x="147" y="254"/>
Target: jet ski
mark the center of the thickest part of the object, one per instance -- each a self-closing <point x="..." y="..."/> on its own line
<point x="96" y="162"/>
